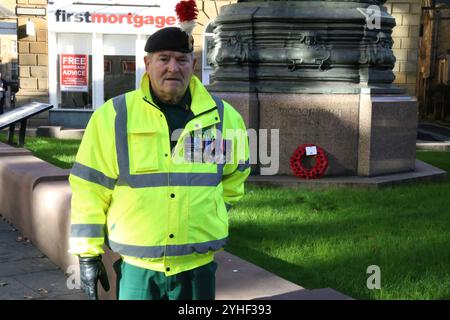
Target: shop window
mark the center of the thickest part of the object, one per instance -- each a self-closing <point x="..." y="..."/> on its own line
<point x="75" y="81"/>
<point x="74" y="69"/>
<point x="107" y="66"/>
<point x="443" y="69"/>
<point x="128" y="66"/>
<point x="14" y="70"/>
<point x="120" y="50"/>
<point x="121" y="77"/>
<point x="13" y="47"/>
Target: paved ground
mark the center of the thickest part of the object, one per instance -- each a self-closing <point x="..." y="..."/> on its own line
<point x="27" y="274"/>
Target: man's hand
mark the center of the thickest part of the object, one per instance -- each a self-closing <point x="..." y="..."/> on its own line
<point x="92" y="270"/>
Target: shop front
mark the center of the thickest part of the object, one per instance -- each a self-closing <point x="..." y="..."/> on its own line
<point x="96" y="51"/>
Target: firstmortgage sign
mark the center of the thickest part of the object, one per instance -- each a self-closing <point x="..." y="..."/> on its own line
<point x="118" y="17"/>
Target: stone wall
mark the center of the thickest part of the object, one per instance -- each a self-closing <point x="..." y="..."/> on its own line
<point x="33" y="59"/>
<point x="406" y="41"/>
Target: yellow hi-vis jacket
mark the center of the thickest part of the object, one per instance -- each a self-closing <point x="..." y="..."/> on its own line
<point x="161" y="210"/>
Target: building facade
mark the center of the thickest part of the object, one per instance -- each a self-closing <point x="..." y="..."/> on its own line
<point x="105" y="44"/>
<point x="433" y="74"/>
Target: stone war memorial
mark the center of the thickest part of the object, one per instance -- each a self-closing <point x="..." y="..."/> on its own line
<point x="321" y="73"/>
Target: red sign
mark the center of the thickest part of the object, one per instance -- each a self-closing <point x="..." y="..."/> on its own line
<point x="74" y="72"/>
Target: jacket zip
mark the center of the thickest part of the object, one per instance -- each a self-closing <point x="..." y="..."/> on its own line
<point x="198" y="115"/>
<point x="187" y="121"/>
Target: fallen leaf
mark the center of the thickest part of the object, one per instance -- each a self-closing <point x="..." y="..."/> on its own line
<point x="42" y="290"/>
<point x="28" y="297"/>
<point x="3" y="284"/>
<point x="19" y="239"/>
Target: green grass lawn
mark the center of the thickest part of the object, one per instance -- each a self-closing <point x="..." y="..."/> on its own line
<point x="328" y="238"/>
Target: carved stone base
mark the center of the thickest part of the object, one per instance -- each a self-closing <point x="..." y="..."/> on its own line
<point x="363" y="134"/>
<point x="387" y="134"/>
<point x="302" y="46"/>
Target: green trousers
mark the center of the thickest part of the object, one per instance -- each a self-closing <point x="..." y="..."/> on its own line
<point x="134" y="283"/>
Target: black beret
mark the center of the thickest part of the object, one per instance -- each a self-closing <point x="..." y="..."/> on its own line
<point x="171" y="39"/>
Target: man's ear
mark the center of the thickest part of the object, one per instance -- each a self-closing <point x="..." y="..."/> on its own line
<point x="147" y="61"/>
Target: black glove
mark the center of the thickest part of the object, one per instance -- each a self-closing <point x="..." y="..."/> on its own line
<point x="92" y="270"/>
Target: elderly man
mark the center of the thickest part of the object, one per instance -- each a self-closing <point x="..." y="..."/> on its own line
<point x="156" y="172"/>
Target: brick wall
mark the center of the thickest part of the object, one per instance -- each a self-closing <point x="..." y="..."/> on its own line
<point x="406" y="41"/>
<point x="33" y="59"/>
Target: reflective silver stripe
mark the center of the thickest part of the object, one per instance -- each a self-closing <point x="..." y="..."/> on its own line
<point x="120" y="106"/>
<point x="243" y="166"/>
<point x="92" y="175"/>
<point x="169" y="250"/>
<point x="194" y="179"/>
<point x="206" y="179"/>
<point x="177" y="179"/>
<point x="87" y="230"/>
<point x="145" y="180"/>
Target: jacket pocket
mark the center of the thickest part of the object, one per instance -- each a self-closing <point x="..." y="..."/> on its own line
<point x="143" y="151"/>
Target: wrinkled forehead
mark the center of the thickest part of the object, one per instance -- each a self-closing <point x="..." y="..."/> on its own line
<point x="169" y="53"/>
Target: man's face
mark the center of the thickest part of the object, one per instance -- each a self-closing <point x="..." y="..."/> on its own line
<point x="170" y="73"/>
